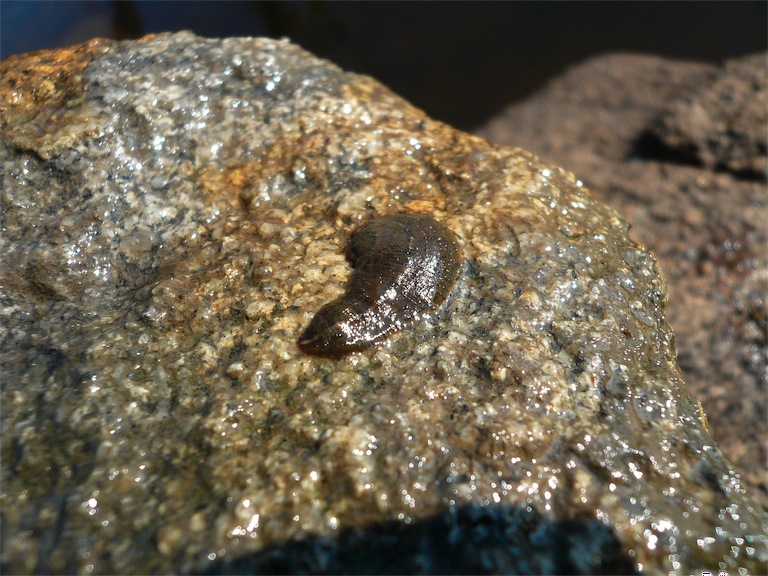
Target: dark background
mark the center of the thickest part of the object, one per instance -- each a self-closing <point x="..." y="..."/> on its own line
<point x="462" y="62"/>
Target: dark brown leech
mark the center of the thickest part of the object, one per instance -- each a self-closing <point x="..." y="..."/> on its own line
<point x="404" y="267"/>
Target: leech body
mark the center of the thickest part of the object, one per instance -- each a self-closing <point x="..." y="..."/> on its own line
<point x="404" y="267"/>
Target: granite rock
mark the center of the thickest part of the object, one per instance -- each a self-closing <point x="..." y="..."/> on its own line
<point x="173" y="214"/>
<point x="679" y="149"/>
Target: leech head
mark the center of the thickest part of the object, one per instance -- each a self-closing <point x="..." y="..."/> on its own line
<point x="334" y="330"/>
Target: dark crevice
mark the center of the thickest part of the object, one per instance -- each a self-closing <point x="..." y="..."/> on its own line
<point x="465" y="540"/>
<point x="648" y="146"/>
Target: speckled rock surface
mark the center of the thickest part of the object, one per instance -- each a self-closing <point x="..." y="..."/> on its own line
<point x="173" y="214"/>
<point x="679" y="149"/>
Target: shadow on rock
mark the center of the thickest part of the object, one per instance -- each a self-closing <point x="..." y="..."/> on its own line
<point x="467" y="540"/>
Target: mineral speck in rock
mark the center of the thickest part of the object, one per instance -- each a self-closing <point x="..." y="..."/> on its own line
<point x="170" y="222"/>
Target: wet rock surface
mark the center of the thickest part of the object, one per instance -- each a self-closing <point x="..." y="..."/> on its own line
<point x="679" y="149"/>
<point x="174" y="212"/>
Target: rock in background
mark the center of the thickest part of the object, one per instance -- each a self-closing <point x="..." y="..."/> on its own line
<point x="680" y="150"/>
<point x="173" y="213"/>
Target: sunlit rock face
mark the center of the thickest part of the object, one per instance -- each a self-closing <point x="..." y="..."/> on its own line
<point x="173" y="214"/>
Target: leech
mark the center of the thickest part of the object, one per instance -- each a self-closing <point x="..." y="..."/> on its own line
<point x="404" y="267"/>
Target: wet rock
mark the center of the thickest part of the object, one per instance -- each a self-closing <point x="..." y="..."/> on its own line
<point x="679" y="149"/>
<point x="174" y="213"/>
